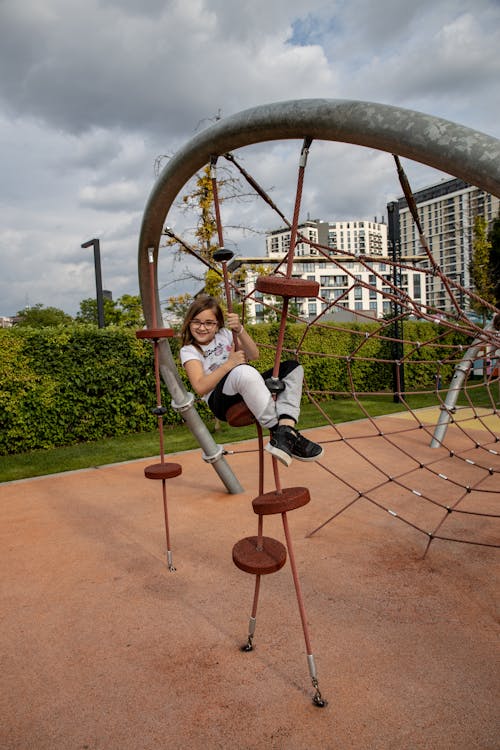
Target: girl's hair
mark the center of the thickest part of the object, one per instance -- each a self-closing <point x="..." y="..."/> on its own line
<point x="201" y="303"/>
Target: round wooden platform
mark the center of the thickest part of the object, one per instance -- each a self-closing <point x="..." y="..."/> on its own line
<point x="281" y="286"/>
<point x="162" y="471"/>
<point x="269" y="559"/>
<point x="155" y="333"/>
<point x="289" y="498"/>
<point x="239" y="415"/>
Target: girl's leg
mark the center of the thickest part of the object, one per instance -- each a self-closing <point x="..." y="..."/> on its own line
<point x="286" y="441"/>
<point x="288" y="401"/>
<point x="247" y="382"/>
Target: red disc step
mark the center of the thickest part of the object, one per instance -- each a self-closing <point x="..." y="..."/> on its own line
<point x="162" y="471"/>
<point x="268" y="558"/>
<point x="281" y="286"/>
<point x="239" y="415"/>
<point x="155" y="333"/>
<point x="289" y="498"/>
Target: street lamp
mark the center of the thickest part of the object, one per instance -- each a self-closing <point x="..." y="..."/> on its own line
<point x="398" y="368"/>
<point x="98" y="280"/>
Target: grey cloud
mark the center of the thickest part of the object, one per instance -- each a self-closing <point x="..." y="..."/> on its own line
<point x="94" y="148"/>
<point x="118" y="196"/>
<point x="102" y="67"/>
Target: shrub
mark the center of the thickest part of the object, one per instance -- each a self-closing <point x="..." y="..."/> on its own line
<point x="68" y="384"/>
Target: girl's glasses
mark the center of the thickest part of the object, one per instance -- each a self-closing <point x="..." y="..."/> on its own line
<point x="209" y="324"/>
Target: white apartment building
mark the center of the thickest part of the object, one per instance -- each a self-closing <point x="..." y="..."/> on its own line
<point x="348" y="259"/>
<point x="446" y="211"/>
<point x="352" y="237"/>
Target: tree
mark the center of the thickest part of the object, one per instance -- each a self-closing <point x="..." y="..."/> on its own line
<point x="177" y="308"/>
<point x="494" y="239"/>
<point x="38" y="316"/>
<point x="480" y="267"/>
<point x="200" y="201"/>
<point x="88" y="311"/>
<point x="125" y="312"/>
<point x="132" y="315"/>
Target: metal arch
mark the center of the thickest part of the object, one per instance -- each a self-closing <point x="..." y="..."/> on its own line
<point x="444" y="145"/>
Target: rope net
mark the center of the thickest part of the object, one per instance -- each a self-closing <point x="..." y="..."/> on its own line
<point x="438" y="470"/>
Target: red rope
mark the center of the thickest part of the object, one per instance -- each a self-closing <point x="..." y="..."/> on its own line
<point x="291" y="252"/>
<point x="215" y="193"/>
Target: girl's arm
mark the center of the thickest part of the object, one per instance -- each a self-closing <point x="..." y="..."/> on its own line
<point x="244" y="339"/>
<point x="205" y="382"/>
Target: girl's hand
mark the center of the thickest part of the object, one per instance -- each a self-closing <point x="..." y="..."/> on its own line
<point x="233" y="322"/>
<point x="236" y="358"/>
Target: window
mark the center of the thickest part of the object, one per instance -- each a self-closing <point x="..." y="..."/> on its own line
<point x="340" y="280"/>
<point x="417" y="290"/>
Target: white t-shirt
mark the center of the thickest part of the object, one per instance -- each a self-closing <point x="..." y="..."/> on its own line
<point x="212" y="355"/>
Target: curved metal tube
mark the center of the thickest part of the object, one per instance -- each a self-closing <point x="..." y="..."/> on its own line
<point x="444" y="145"/>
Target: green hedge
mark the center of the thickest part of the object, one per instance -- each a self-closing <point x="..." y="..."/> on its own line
<point x="66" y="385"/>
<point x="70" y="384"/>
<point x="360" y="361"/>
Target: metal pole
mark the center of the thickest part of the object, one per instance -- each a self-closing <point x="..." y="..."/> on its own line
<point x="462" y="370"/>
<point x="398" y="374"/>
<point x="98" y="280"/>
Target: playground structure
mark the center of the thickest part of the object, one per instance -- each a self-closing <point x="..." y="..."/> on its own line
<point x="443" y="145"/>
<point x="468" y="154"/>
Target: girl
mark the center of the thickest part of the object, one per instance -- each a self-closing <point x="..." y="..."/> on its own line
<point x="222" y="377"/>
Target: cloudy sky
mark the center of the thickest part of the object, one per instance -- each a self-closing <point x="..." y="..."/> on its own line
<point x="93" y="92"/>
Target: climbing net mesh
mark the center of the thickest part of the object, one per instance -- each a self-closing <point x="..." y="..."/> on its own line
<point x="438" y="472"/>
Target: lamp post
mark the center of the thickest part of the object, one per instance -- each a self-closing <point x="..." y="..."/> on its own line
<point x="398" y="368"/>
<point x="98" y="280"/>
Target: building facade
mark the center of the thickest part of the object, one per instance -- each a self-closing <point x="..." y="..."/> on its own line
<point x="348" y="259"/>
<point x="447" y="212"/>
<point x="358" y="237"/>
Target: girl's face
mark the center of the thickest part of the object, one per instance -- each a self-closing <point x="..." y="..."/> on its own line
<point x="204" y="326"/>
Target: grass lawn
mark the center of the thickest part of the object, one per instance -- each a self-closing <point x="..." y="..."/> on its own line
<point x="142" y="445"/>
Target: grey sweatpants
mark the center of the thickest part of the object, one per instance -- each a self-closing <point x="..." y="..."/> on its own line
<point x="246" y="381"/>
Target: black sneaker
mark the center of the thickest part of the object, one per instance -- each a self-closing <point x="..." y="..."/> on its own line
<point x="304" y="449"/>
<point x="281" y="443"/>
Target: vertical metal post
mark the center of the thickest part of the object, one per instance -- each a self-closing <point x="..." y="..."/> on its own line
<point x="98" y="280"/>
<point x="398" y="373"/>
<point x="461" y="373"/>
